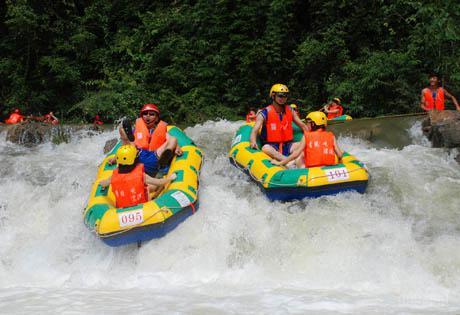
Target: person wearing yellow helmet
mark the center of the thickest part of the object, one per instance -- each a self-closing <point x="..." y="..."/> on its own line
<point x="130" y="184"/>
<point x="318" y="147"/>
<point x="275" y="125"/>
<point x="295" y="108"/>
<point x="334" y="108"/>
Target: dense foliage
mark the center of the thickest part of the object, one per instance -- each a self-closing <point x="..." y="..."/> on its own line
<point x="203" y="60"/>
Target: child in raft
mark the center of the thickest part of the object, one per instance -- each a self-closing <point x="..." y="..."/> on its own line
<point x="129" y="182"/>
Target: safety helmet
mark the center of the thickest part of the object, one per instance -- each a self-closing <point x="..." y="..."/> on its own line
<point x="150" y="107"/>
<point x="319" y="118"/>
<point x="126" y="154"/>
<point x="293" y="106"/>
<point x="16" y="110"/>
<point x="278" y="88"/>
<point x="337" y="100"/>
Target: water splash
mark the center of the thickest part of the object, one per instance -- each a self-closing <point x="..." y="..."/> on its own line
<point x="393" y="247"/>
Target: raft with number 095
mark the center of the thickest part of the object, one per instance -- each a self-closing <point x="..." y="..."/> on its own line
<point x="280" y="183"/>
<point x="152" y="219"/>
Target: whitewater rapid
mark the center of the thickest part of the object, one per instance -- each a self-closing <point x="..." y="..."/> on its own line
<point x="392" y="249"/>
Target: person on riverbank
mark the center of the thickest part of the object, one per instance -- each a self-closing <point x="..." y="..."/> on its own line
<point x="275" y="124"/>
<point x="318" y="147"/>
<point x="433" y="96"/>
<point x="15" y="117"/>
<point x="333" y="109"/>
<point x="129" y="182"/>
<point x="156" y="146"/>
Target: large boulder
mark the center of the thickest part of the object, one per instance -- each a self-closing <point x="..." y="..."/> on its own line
<point x="29" y="133"/>
<point x="443" y="128"/>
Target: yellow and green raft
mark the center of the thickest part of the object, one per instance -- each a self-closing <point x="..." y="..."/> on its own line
<point x="341" y="118"/>
<point x="280" y="183"/>
<point x="155" y="218"/>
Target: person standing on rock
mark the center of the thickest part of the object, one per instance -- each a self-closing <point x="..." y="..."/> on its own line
<point x="432" y="97"/>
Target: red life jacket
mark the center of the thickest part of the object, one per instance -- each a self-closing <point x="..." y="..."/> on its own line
<point x="14" y="118"/>
<point x="279" y="130"/>
<point x="319" y="148"/>
<point x="129" y="188"/>
<point x="334" y="106"/>
<point x="437" y="104"/>
<point x="144" y="140"/>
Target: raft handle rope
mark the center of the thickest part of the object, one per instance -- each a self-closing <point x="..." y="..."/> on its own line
<point x="287" y="185"/>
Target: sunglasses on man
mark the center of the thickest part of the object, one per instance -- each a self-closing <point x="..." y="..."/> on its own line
<point x="151" y="113"/>
<point x="282" y="95"/>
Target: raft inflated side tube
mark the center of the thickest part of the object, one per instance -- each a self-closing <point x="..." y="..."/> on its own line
<point x="280" y="183"/>
<point x="152" y="219"/>
<point x="341" y="118"/>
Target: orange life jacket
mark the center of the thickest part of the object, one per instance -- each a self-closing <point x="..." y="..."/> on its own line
<point x="279" y="130"/>
<point x="14" y="118"/>
<point x="437" y="104"/>
<point x="319" y="148"/>
<point x="334" y="106"/>
<point x="129" y="188"/>
<point x="144" y="140"/>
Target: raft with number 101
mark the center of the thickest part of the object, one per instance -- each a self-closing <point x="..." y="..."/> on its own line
<point x="152" y="219"/>
<point x="280" y="183"/>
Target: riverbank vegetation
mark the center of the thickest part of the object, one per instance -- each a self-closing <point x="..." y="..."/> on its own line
<point x="203" y="60"/>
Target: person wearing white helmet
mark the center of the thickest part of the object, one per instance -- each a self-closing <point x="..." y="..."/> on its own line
<point x="275" y="125"/>
<point x="318" y="147"/>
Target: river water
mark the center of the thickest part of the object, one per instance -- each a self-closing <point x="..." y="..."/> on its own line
<point x="392" y="250"/>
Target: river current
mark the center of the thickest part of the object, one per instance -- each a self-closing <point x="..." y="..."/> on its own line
<point x="392" y="250"/>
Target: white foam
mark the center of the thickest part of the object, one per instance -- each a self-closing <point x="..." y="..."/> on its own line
<point x="393" y="247"/>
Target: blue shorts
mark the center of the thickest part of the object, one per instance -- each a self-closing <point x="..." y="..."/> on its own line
<point x="150" y="161"/>
<point x="286" y="147"/>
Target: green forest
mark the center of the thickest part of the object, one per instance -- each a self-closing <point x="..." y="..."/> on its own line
<point x="202" y="60"/>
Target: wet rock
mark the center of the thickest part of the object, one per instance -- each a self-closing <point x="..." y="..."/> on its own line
<point x="442" y="128"/>
<point x="29" y="133"/>
<point x="109" y="145"/>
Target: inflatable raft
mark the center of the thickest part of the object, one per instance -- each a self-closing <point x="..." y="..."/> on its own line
<point x="280" y="183"/>
<point x="341" y="118"/>
<point x="155" y="218"/>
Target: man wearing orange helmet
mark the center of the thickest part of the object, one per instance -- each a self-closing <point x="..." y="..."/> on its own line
<point x="150" y="136"/>
<point x="275" y="123"/>
<point x="15" y="117"/>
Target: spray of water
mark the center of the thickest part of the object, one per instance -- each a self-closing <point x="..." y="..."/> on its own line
<point x="395" y="247"/>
